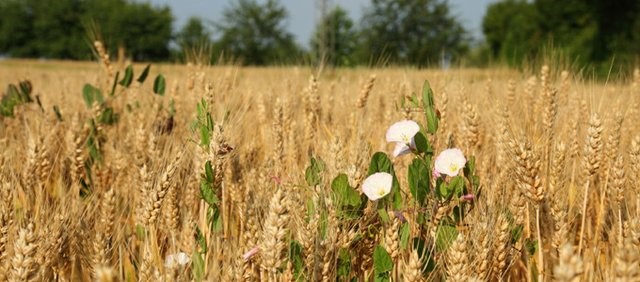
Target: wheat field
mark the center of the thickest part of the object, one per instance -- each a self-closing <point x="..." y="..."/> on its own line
<point x="153" y="197"/>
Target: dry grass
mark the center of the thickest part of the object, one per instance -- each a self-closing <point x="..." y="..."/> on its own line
<point x="556" y="154"/>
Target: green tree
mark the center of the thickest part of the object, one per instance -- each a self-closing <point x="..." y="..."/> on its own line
<point x="145" y="31"/>
<point x="334" y="39"/>
<point x="511" y="31"/>
<point x="194" y="34"/>
<point x="416" y="32"/>
<point x="48" y="28"/>
<point x="64" y="29"/>
<point x="255" y="33"/>
<point x="16" y="29"/>
<point x="589" y="33"/>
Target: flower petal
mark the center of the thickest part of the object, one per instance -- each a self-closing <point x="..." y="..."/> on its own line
<point x="450" y="162"/>
<point x="401" y="149"/>
<point x="402" y="131"/>
<point x="377" y="185"/>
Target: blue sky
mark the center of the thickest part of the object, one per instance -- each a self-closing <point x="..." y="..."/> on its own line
<point x="303" y="14"/>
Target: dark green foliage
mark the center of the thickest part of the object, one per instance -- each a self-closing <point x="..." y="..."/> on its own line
<point x="59" y="28"/>
<point x="255" y="33"/>
<point x="296" y="258"/>
<point x="128" y="76"/>
<point x="335" y="39"/>
<point x="91" y="95"/>
<point x="313" y="173"/>
<point x="193" y="35"/>
<point x="15" y="96"/>
<point x="419" y="180"/>
<point x="350" y="202"/>
<point x="144" y="74"/>
<point x="583" y="32"/>
<point x="159" y="85"/>
<point x="415" y="32"/>
<point x="382" y="264"/>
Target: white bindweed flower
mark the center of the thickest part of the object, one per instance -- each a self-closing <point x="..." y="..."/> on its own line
<point x="449" y="162"/>
<point x="377" y="185"/>
<point x="177" y="260"/>
<point x="401" y="149"/>
<point x="402" y="134"/>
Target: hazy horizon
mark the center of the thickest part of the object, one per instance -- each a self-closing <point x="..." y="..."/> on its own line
<point x="303" y="14"/>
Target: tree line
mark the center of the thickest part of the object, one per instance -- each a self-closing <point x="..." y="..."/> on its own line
<point x="599" y="33"/>
<point x="413" y="32"/>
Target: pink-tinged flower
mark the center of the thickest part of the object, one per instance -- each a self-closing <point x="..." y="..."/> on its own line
<point x="377" y="185"/>
<point x="402" y="134"/>
<point x="251" y="253"/>
<point x="468" y="197"/>
<point x="450" y="162"/>
<point x="177" y="260"/>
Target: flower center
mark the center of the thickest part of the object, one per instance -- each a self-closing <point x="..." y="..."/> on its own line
<point x="405" y="138"/>
<point x="381" y="191"/>
<point x="453" y="167"/>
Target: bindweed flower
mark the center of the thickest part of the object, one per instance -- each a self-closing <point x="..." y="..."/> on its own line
<point x="377" y="185"/>
<point x="249" y="254"/>
<point x="177" y="260"/>
<point x="449" y="162"/>
<point x="468" y="197"/>
<point x="402" y="133"/>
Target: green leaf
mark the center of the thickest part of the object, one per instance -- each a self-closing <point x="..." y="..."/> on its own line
<point x="344" y="264"/>
<point x="442" y="189"/>
<point x="345" y="194"/>
<point x="380" y="163"/>
<point x="144" y="74"/>
<point x="56" y="110"/>
<point x="214" y="218"/>
<point x="25" y="89"/>
<point x="531" y="246"/>
<point x="128" y="76"/>
<point x="296" y="259"/>
<point x="405" y="232"/>
<point x="158" y="85"/>
<point x="91" y="95"/>
<point x="140" y="232"/>
<point x="516" y="233"/>
<point x="429" y="108"/>
<point x="201" y="240"/>
<point x="313" y="173"/>
<point x="108" y="116"/>
<point x="470" y="166"/>
<point x="422" y="144"/>
<point x="445" y="235"/>
<point x="384" y="216"/>
<point x="456" y="186"/>
<point x="115" y="83"/>
<point x="425" y="253"/>
<point x="419" y="182"/>
<point x="208" y="194"/>
<point x="209" y="173"/>
<point x="396" y="195"/>
<point x="197" y="266"/>
<point x="172" y="107"/>
<point x="381" y="260"/>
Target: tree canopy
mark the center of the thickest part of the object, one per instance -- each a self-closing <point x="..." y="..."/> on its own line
<point x="335" y="38"/>
<point x="583" y="31"/>
<point x="63" y="28"/>
<point x="256" y="33"/>
<point x="416" y="32"/>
